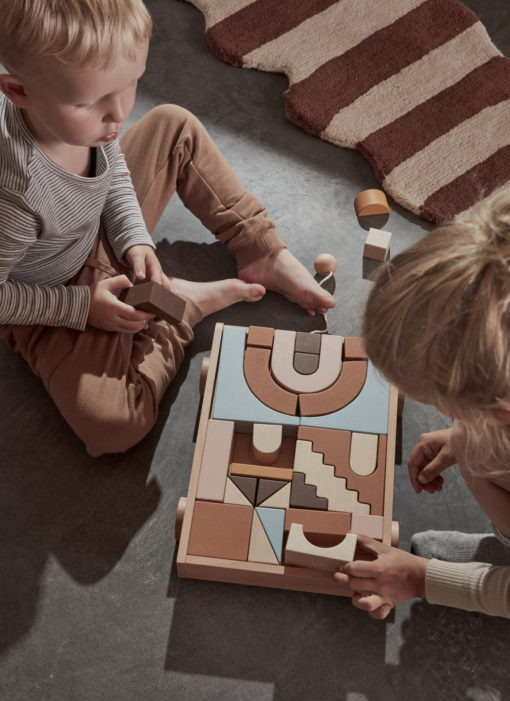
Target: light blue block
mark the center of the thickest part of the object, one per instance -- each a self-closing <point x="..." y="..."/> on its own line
<point x="233" y="399"/>
<point x="273" y="521"/>
<point x="368" y="413"/>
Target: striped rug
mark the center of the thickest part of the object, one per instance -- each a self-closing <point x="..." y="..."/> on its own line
<point x="416" y="86"/>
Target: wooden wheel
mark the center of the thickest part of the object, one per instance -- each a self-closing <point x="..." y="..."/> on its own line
<point x="395" y="533"/>
<point x="203" y="374"/>
<point x="179" y="517"/>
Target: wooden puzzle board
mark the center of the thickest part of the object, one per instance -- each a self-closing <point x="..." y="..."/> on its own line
<point x="295" y="428"/>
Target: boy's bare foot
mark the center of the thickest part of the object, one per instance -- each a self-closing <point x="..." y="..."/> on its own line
<point x="282" y="272"/>
<point x="216" y="295"/>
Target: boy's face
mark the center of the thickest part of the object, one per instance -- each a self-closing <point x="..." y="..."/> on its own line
<point x="82" y="105"/>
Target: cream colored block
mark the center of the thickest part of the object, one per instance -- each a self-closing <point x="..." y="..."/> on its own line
<point x="363" y="458"/>
<point x="233" y="494"/>
<point x="282" y="363"/>
<point x="280" y="499"/>
<point x="377" y="244"/>
<point x="260" y="548"/>
<point x="266" y="443"/>
<point x="299" y="551"/>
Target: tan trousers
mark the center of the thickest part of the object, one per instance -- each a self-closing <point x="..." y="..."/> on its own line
<point x="108" y="385"/>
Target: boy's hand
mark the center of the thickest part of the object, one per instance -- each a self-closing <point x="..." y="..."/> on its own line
<point x="107" y="312"/>
<point x="430" y="456"/>
<point x="144" y="263"/>
<point x="379" y="585"/>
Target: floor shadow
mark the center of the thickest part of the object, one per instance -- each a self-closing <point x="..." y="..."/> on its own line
<point x="311" y="647"/>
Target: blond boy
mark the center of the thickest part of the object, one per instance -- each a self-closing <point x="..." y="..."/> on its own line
<point x="76" y="212"/>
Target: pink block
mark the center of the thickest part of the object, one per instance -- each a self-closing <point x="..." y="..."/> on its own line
<point x="215" y="460"/>
<point x="365" y="524"/>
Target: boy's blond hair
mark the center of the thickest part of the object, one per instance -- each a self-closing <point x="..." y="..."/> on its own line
<point x="75" y="32"/>
<point x="437" y="321"/>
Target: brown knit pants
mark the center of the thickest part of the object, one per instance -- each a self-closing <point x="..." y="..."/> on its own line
<point x="108" y="385"/>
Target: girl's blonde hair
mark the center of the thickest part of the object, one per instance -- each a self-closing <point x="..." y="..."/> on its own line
<point x="437" y="320"/>
<point x="75" y="32"/>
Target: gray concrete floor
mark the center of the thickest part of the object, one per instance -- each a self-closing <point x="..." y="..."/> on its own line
<point x="90" y="605"/>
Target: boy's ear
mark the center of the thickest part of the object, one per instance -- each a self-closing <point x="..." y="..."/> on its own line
<point x="502" y="412"/>
<point x="14" y="89"/>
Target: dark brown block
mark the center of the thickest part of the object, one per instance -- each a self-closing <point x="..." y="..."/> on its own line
<point x="155" y="299"/>
<point x="306" y="363"/>
<point x="308" y="342"/>
<point x="267" y="488"/>
<point x="247" y="485"/>
<point x="304" y="496"/>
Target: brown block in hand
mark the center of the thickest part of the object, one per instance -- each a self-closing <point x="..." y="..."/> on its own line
<point x="220" y="530"/>
<point x="155" y="299"/>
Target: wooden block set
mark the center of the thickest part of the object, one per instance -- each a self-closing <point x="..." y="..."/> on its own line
<point x="294" y="457"/>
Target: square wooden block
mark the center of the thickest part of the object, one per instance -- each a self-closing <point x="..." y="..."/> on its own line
<point x="377" y="244"/>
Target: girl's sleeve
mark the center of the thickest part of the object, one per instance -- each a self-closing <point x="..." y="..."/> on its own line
<point x="472" y="586"/>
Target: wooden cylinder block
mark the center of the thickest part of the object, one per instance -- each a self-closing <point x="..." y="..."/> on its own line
<point x="371" y="202"/>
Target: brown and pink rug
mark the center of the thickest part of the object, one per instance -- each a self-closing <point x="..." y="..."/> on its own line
<point x="416" y="86"/>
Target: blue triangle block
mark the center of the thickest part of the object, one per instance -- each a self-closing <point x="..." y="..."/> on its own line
<point x="273" y="521"/>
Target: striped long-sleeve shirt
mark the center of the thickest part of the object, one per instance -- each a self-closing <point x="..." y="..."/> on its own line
<point x="48" y="221"/>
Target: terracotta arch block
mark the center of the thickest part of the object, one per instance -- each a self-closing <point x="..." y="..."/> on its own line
<point x="346" y="388"/>
<point x="259" y="380"/>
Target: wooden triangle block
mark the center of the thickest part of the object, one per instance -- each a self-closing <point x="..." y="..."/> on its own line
<point x="260" y="549"/>
<point x="280" y="499"/>
<point x="247" y="485"/>
<point x="267" y="488"/>
<point x="233" y="494"/>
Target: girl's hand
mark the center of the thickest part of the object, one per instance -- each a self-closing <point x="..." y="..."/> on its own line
<point x="380" y="584"/>
<point x="108" y="313"/>
<point x="430" y="456"/>
<point x="144" y="263"/>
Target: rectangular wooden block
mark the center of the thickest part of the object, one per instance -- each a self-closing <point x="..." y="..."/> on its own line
<point x="308" y="342"/>
<point x="155" y="299"/>
<point x="270" y="473"/>
<point x="365" y="524"/>
<point x="260" y="336"/>
<point x="354" y="349"/>
<point x="319" y="522"/>
<point x="220" y="530"/>
<point x="215" y="460"/>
